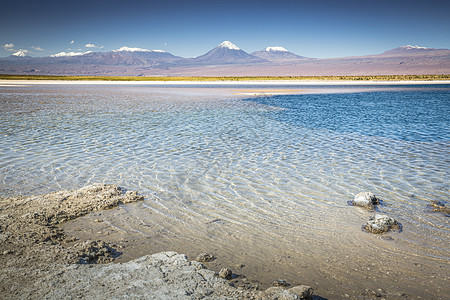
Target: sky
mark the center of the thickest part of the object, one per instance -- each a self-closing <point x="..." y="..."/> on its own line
<point x="187" y="28"/>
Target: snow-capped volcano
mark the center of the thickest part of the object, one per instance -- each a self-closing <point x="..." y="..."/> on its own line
<point x="276" y="53"/>
<point x="20" y="53"/>
<point x="227" y="53"/>
<point x="229" y="45"/>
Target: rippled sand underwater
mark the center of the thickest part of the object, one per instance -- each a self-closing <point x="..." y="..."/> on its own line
<point x="262" y="182"/>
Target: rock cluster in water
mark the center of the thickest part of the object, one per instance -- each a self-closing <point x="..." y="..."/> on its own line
<point x="377" y="223"/>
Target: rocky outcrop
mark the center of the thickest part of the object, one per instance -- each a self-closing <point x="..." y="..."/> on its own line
<point x="32" y="221"/>
<point x="381" y="223"/>
<point x="31" y="239"/>
<point x="165" y="275"/>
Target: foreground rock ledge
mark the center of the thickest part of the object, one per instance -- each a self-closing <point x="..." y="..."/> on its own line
<point x="39" y="262"/>
<point x="165" y="275"/>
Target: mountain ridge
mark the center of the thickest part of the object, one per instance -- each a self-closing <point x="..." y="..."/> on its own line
<point x="227" y="59"/>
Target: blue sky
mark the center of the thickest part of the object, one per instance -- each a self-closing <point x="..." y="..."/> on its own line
<point x="191" y="28"/>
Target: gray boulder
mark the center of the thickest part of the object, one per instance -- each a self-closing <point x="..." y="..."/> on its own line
<point x="366" y="199"/>
<point x="381" y="223"/>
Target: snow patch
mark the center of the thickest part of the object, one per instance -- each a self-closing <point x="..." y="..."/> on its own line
<point x="229" y="45"/>
<point x="131" y="49"/>
<point x="65" y="54"/>
<point x="276" y="49"/>
<point x="410" y="47"/>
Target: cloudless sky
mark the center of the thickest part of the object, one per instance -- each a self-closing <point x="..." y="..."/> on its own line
<point x="191" y="28"/>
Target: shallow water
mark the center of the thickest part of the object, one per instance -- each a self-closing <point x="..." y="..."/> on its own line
<point x="260" y="181"/>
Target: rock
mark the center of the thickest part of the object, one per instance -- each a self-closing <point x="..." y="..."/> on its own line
<point x="94" y="252"/>
<point x="205" y="257"/>
<point x="225" y="273"/>
<point x="366" y="199"/>
<point x="166" y="275"/>
<point x="294" y="293"/>
<point x="381" y="223"/>
<point x="280" y="282"/>
<point x="440" y="206"/>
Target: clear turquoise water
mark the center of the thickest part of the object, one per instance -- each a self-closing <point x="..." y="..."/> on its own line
<point x="286" y="164"/>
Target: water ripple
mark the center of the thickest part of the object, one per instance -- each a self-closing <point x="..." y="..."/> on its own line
<point x="267" y="170"/>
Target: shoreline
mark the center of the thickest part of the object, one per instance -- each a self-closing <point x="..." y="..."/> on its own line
<point x="17" y="82"/>
<point x="41" y="260"/>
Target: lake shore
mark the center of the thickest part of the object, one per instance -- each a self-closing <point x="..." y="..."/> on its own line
<point x="41" y="261"/>
<point x="8" y="82"/>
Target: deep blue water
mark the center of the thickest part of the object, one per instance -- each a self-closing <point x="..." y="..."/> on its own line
<point x="416" y="116"/>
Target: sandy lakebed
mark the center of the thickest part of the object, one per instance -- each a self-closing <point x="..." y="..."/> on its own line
<point x="82" y="239"/>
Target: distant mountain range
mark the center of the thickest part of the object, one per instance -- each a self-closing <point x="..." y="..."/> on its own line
<point x="229" y="60"/>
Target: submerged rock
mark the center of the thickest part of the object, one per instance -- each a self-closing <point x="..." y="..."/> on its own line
<point x="294" y="293"/>
<point x="366" y="199"/>
<point x="225" y="273"/>
<point x="381" y="223"/>
<point x="440" y="206"/>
